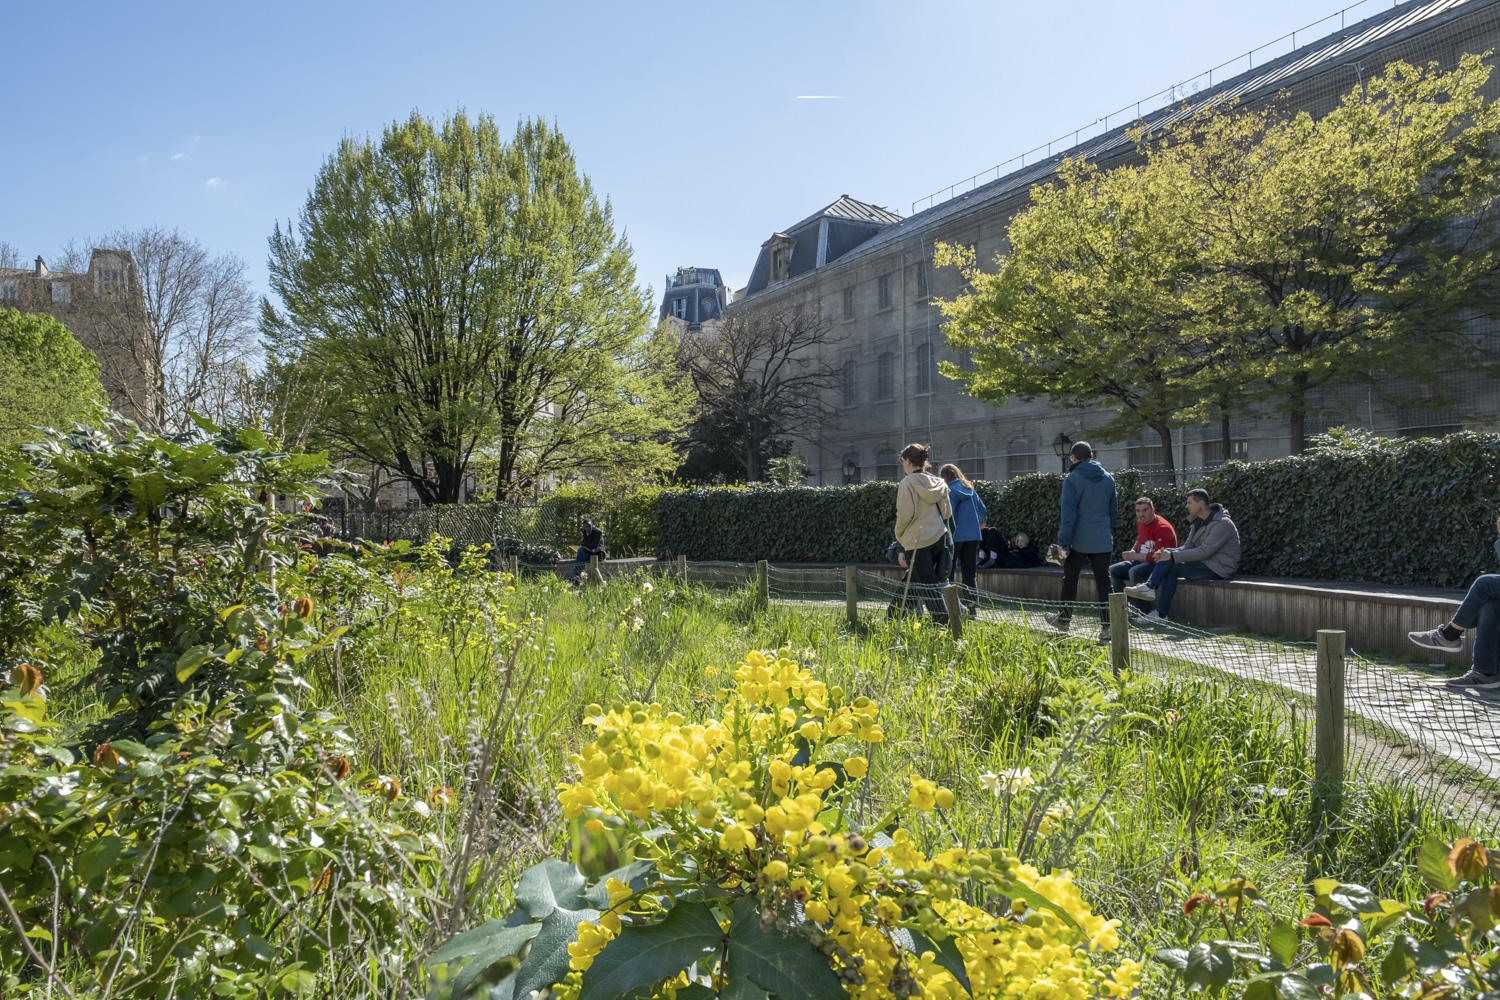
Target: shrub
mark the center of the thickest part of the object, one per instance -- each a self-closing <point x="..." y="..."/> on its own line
<point x="627" y="516"/>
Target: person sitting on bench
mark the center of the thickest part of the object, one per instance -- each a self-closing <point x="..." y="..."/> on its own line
<point x="1479" y="611"/>
<point x="1212" y="552"/>
<point x="593" y="545"/>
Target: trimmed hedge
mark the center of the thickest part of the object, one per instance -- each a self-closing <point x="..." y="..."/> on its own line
<point x="1404" y="513"/>
<point x="628" y="518"/>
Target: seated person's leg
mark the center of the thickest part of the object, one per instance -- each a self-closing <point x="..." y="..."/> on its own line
<point x="1159" y="571"/>
<point x="1119" y="572"/>
<point x="1487" y="641"/>
<point x="1484" y="590"/>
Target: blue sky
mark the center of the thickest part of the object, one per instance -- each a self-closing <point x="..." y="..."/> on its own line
<point x="215" y="117"/>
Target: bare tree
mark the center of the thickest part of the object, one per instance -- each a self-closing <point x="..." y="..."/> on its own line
<point x="761" y="377"/>
<point x="187" y="343"/>
<point x="9" y="255"/>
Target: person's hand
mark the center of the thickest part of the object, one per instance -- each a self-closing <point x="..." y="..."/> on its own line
<point x="901" y="558"/>
<point x="1165" y="555"/>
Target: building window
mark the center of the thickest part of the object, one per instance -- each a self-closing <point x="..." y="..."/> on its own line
<point x="851" y="387"/>
<point x="10" y="289"/>
<point x="971" y="459"/>
<point x="680" y="308"/>
<point x="922" y="280"/>
<point x="887" y="466"/>
<point x="848" y="303"/>
<point x="1019" y="465"/>
<point x="924" y="368"/>
<point x="1146" y="459"/>
<point x="61" y="292"/>
<point x="883" y="284"/>
<point x="1213" y="451"/>
<point x="885" y="376"/>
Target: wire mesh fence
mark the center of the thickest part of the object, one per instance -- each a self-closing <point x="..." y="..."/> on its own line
<point x="1399" y="724"/>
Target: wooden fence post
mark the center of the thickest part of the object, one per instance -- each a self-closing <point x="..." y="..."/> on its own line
<point x="763" y="583"/>
<point x="1328" y="730"/>
<point x="955" y="609"/>
<point x="515" y="568"/>
<point x="851" y="594"/>
<point x="1119" y="633"/>
<point x="595" y="576"/>
<point x="682" y="568"/>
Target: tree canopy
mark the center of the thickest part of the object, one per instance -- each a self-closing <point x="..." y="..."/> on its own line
<point x="1253" y="255"/>
<point x="47" y="378"/>
<point x="458" y="295"/>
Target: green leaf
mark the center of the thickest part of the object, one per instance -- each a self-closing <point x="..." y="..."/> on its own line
<point x="1209" y="965"/>
<point x="93" y="861"/>
<point x="789" y="968"/>
<point x="1038" y="901"/>
<point x="1173" y="958"/>
<point x="547" y="962"/>
<point x="946" y="954"/>
<point x="189" y="662"/>
<point x="1295" y="987"/>
<point x="1282" y="942"/>
<point x="641" y="957"/>
<point x="550" y="885"/>
<point x="1356" y="899"/>
<point x="258" y="948"/>
<point x="225" y="840"/>
<point x="129" y="749"/>
<point x="1260" y="989"/>
<point x="637" y="875"/>
<point x="299" y="981"/>
<point x="486" y="937"/>
<point x="1432" y="865"/>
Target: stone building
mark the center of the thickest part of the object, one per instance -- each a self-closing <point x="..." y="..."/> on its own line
<point x="872" y="273"/>
<point x="694" y="295"/>
<point x="103" y="307"/>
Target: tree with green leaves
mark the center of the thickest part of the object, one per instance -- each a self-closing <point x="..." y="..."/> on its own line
<point x="47" y="378"/>
<point x="1089" y="305"/>
<point x="457" y="294"/>
<point x="1344" y="248"/>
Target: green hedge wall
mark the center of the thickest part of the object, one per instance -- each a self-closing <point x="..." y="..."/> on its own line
<point x="627" y="517"/>
<point x="1404" y="513"/>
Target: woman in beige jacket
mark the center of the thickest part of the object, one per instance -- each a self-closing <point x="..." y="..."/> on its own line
<point x="921" y="508"/>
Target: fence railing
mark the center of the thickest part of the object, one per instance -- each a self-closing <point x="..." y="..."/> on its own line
<point x="526" y="531"/>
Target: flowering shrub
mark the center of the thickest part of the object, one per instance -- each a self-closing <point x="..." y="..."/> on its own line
<point x="1354" y="943"/>
<point x="750" y="867"/>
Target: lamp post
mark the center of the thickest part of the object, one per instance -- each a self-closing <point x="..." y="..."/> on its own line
<point x="850" y="469"/>
<point x="1061" y="445"/>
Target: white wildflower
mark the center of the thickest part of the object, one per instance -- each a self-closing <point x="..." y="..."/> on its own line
<point x="990" y="782"/>
<point x="637" y="623"/>
<point x="646" y="587"/>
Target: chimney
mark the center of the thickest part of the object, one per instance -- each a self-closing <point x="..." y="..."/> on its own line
<point x="41" y="269"/>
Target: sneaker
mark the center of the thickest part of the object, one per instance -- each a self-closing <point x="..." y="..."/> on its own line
<point x="1057" y="620"/>
<point x="1153" y="617"/>
<point x="1135" y="613"/>
<point x="1141" y="591"/>
<point x="1474" y="679"/>
<point x="1435" y="640"/>
<point x="1103" y="634"/>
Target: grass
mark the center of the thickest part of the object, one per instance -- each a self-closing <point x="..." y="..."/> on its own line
<point x="1148" y="788"/>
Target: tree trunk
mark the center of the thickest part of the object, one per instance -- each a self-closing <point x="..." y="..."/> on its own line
<point x="1224" y="438"/>
<point x="1168" y="463"/>
<point x="1298" y="412"/>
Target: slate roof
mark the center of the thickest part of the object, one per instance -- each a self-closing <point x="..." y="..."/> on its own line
<point x="850" y="208"/>
<point x="1340" y="47"/>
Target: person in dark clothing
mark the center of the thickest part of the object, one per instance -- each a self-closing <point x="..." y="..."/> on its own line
<point x="1023" y="554"/>
<point x="593" y="545"/>
<point x="993" y="548"/>
<point x="1089" y="508"/>
<point x="969" y="520"/>
<point x="1480" y="611"/>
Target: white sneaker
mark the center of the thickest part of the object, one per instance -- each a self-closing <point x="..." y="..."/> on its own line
<point x="1153" y="616"/>
<point x="1103" y="634"/>
<point x="1057" y="621"/>
<point x="1141" y="591"/>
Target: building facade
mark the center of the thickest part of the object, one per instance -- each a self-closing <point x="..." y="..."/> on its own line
<point x="872" y="273"/>
<point x="103" y="307"/>
<point x="694" y="295"/>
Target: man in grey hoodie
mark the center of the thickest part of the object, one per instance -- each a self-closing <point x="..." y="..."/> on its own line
<point x="1212" y="552"/>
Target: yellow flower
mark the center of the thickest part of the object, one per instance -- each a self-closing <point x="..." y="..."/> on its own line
<point x="923" y="794"/>
<point x="594" y="826"/>
<point x="736" y="838"/>
<point x="856" y="767"/>
<point x="817" y="911"/>
<point x="810" y="731"/>
<point x="776" y="871"/>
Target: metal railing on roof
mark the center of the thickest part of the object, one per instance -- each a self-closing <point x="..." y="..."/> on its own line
<point x="1132" y="112"/>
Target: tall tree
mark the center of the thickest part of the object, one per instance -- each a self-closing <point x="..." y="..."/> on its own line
<point x="760" y="378"/>
<point x="455" y="292"/>
<point x="1088" y="306"/>
<point x="1344" y="248"/>
<point x="47" y="378"/>
<point x="187" y="344"/>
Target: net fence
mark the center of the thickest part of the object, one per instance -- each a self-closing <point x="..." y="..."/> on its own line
<point x="1401" y="724"/>
<point x="527" y="531"/>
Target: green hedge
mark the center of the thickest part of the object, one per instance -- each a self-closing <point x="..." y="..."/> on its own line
<point x="1404" y="513"/>
<point x="627" y="517"/>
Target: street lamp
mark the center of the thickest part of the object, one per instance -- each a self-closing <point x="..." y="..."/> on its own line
<point x="1061" y="445"/>
<point x="850" y="469"/>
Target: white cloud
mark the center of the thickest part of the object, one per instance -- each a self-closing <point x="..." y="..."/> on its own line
<point x="214" y="182"/>
<point x="181" y="156"/>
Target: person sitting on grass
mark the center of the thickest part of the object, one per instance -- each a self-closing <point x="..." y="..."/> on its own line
<point x="1212" y="552"/>
<point x="593" y="545"/>
<point x="1479" y="611"/>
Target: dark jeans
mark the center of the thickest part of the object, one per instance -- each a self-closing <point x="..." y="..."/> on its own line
<point x="1072" y="566"/>
<point x="1481" y="611"/>
<point x="1124" y="572"/>
<point x="581" y="562"/>
<point x="1177" y="571"/>
<point x="925" y="585"/>
<point x="966" y="559"/>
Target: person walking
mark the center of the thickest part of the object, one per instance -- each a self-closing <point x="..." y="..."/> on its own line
<point x="1479" y="611"/>
<point x="1211" y="552"/>
<point x="1152" y="532"/>
<point x="922" y="507"/>
<point x="970" y="518"/>
<point x="1089" y="508"/>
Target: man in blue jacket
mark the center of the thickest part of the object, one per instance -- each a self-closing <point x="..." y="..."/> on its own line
<point x="1089" y="508"/>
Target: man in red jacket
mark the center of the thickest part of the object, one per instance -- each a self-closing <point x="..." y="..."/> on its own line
<point x="1152" y="533"/>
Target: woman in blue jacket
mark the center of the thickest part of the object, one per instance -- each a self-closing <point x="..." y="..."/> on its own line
<point x="969" y="520"/>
